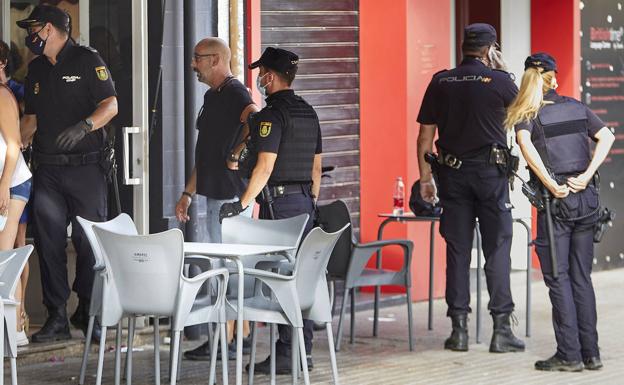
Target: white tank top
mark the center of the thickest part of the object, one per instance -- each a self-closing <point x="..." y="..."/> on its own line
<point x="21" y="173"/>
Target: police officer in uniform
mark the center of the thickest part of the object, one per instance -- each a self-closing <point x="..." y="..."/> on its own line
<point x="554" y="132"/>
<point x="286" y="137"/>
<point x="69" y="97"/>
<point x="467" y="106"/>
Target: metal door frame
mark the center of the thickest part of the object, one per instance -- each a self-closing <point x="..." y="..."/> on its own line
<point x="140" y="120"/>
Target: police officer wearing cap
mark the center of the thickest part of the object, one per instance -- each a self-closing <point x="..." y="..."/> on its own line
<point x="467" y="106"/>
<point x="554" y="134"/>
<point x="69" y="98"/>
<point x="286" y="137"/>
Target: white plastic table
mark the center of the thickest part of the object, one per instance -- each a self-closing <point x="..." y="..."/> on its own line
<point x="236" y="253"/>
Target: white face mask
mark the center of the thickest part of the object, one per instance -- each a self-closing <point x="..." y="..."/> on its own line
<point x="262" y="88"/>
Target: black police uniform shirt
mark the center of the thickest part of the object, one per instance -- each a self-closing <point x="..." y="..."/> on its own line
<point x="593" y="125"/>
<point x="468" y="105"/>
<point x="63" y="94"/>
<point x="218" y="123"/>
<point x="271" y="126"/>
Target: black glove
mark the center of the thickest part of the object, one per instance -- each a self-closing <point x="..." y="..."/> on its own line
<point x="70" y="137"/>
<point x="230" y="210"/>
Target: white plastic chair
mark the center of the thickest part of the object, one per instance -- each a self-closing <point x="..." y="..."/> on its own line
<point x="144" y="277"/>
<point x="302" y="291"/>
<point x="279" y="232"/>
<point x="12" y="264"/>
<point x="121" y="224"/>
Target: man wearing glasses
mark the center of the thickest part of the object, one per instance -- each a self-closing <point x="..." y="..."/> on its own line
<point x="227" y="104"/>
<point x="69" y="96"/>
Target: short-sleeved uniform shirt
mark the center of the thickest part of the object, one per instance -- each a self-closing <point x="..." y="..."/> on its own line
<point x="269" y="140"/>
<point x="65" y="93"/>
<point x="218" y="124"/>
<point x="468" y="105"/>
<point x="594" y="123"/>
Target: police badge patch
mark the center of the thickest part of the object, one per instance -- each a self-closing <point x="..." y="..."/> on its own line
<point x="265" y="129"/>
<point x="102" y="73"/>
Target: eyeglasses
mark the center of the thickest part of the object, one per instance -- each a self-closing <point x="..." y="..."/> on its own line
<point x="198" y="56"/>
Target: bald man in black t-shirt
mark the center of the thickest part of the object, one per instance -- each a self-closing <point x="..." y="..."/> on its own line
<point x="227" y="104"/>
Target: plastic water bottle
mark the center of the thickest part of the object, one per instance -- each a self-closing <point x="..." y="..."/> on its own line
<point x="398" y="197"/>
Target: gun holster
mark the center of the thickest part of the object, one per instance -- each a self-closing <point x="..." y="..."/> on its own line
<point x="107" y="161"/>
<point x="506" y="162"/>
<point x="602" y="224"/>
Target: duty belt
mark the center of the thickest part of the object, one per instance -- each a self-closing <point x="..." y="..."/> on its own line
<point x="67" y="159"/>
<point x="288" y="189"/>
<point x="454" y="162"/>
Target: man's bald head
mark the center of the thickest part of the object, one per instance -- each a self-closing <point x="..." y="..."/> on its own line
<point x="211" y="61"/>
<point x="216" y="45"/>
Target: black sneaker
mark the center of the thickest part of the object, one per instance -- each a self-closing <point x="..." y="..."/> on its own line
<point x="592" y="363"/>
<point x="246" y="346"/>
<point x="56" y="328"/>
<point x="282" y="365"/>
<point x="202" y="353"/>
<point x="554" y="364"/>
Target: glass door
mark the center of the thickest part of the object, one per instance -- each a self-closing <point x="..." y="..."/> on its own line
<point x="117" y="29"/>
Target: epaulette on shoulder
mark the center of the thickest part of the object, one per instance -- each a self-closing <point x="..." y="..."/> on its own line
<point x="510" y="74"/>
<point x="568" y="99"/>
<point x="87" y="48"/>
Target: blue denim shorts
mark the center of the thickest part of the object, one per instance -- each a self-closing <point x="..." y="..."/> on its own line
<point x="21" y="191"/>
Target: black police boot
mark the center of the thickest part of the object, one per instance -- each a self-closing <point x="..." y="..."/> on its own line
<point x="202" y="353"/>
<point x="592" y="363"/>
<point x="554" y="364"/>
<point x="503" y="339"/>
<point x="80" y="320"/>
<point x="458" y="341"/>
<point x="55" y="328"/>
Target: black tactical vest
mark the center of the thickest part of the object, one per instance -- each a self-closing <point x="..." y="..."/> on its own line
<point x="561" y="137"/>
<point x="298" y="144"/>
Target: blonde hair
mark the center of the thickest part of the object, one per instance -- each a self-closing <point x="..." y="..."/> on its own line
<point x="524" y="108"/>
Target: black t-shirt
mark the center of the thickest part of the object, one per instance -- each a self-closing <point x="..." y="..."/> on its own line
<point x="594" y="123"/>
<point x="468" y="105"/>
<point x="218" y="124"/>
<point x="63" y="94"/>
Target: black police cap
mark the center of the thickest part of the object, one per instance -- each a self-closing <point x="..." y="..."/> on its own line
<point x="541" y="60"/>
<point x="42" y="14"/>
<point x="479" y="35"/>
<point x="277" y="59"/>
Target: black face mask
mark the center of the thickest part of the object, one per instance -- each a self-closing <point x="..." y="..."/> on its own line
<point x="35" y="43"/>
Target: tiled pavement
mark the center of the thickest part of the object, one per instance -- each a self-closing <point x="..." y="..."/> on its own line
<point x="386" y="360"/>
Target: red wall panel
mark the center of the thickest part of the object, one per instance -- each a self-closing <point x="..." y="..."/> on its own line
<point x="402" y="44"/>
<point x="555" y="28"/>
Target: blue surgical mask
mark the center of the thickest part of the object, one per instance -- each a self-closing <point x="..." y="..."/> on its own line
<point x="262" y="88"/>
<point x="35" y="43"/>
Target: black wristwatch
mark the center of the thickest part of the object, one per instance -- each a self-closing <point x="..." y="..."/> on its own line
<point x="89" y="122"/>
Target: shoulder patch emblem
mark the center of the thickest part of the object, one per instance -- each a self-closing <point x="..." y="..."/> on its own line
<point x="102" y="73"/>
<point x="36" y="88"/>
<point x="265" y="129"/>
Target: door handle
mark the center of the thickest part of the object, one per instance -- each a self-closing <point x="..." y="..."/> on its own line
<point x="127" y="131"/>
